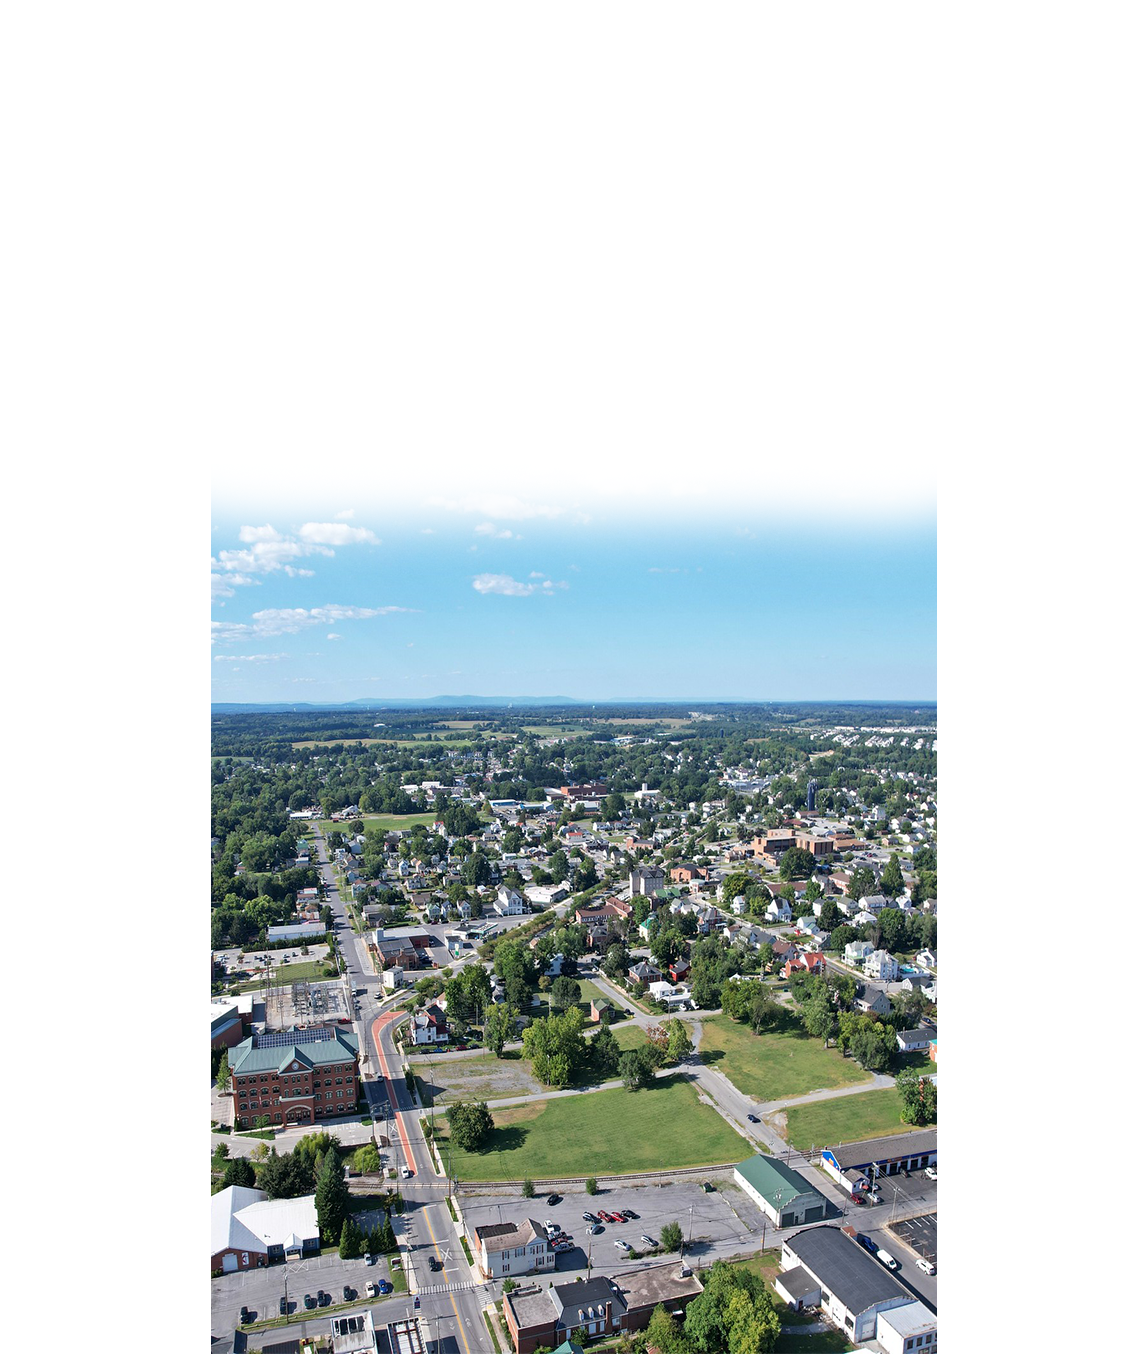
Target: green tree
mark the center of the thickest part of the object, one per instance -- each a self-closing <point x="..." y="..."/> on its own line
<point x="919" y="1098"/>
<point x="862" y="884"/>
<point x="367" y="1160"/>
<point x="796" y="863"/>
<point x="734" y="1314"/>
<point x="331" y="1197"/>
<point x="223" y="1076"/>
<point x="286" y="1177"/>
<point x="671" y="1236"/>
<point x="389" y="1240"/>
<point x="891" y="881"/>
<point x="499" y="1028"/>
<point x="350" y="1243"/>
<point x="679" y="1041"/>
<point x="664" y="1334"/>
<point x="239" y="1171"/>
<point x="527" y="1189"/>
<point x="470" y="1124"/>
<point x="635" y="1070"/>
<point x="605" y="1052"/>
<point x="566" y="992"/>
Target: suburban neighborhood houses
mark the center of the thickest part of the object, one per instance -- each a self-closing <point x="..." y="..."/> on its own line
<point x="565" y="1030"/>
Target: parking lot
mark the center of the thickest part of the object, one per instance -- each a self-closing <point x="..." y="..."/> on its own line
<point x="261" y="1290"/>
<point x="921" y="1234"/>
<point x="713" y="1221"/>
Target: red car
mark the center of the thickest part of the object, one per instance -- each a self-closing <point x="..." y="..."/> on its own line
<point x="616" y="1217"/>
<point x="605" y="1217"/>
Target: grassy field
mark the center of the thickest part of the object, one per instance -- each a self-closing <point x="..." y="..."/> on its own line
<point x="775" y="1065"/>
<point x="607" y="1131"/>
<point x="848" y="1118"/>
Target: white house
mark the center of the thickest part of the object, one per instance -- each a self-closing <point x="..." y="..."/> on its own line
<point x="739" y="905"/>
<point x="856" y="951"/>
<point x="505" y="1248"/>
<point x="508" y="903"/>
<point x="670" y="995"/>
<point x="880" y="965"/>
<point x="429" y="1026"/>
<point x="779" y="909"/>
<point x="926" y="958"/>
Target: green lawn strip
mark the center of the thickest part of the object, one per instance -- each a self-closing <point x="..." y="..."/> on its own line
<point x="607" y="1131"/>
<point x="775" y="1065"/>
<point x="812" y="1342"/>
<point x="466" y="1248"/>
<point x="848" y="1118"/>
<point x="494" y="1341"/>
<point x="591" y="992"/>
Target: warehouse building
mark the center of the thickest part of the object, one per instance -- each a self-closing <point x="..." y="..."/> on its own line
<point x="877" y="1157"/>
<point x="782" y="1194"/>
<point x="904" y="1330"/>
<point x="854" y="1287"/>
<point x="249" y="1229"/>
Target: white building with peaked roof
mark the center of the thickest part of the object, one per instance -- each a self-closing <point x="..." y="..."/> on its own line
<point x="249" y="1229"/>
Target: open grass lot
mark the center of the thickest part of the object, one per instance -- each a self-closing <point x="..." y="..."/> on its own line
<point x="289" y="973"/>
<point x="849" y="1118"/>
<point x="607" y="1131"/>
<point x="776" y="1065"/>
<point x="812" y="1342"/>
<point x="591" y="992"/>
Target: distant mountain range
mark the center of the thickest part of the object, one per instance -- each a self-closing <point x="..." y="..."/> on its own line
<point x="504" y="702"/>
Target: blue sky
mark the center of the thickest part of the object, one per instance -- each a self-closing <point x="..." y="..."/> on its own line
<point x="504" y="597"/>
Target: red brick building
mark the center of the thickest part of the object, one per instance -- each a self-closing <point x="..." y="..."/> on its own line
<point x="294" y="1076"/>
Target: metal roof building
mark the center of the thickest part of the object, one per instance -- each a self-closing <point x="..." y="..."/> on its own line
<point x="854" y="1287"/>
<point x="781" y="1193"/>
<point x="882" y="1156"/>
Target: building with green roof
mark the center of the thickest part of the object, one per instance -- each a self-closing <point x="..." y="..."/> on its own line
<point x="294" y="1076"/>
<point x="783" y="1194"/>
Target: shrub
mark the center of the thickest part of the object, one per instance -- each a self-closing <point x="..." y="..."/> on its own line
<point x="527" y="1188"/>
<point x="591" y="1185"/>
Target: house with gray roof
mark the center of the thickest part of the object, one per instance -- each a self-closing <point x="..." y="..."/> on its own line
<point x="507" y="1248"/>
<point x="854" y="1286"/>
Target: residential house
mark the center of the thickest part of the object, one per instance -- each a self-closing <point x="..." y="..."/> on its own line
<point x="600" y="1011"/>
<point x="783" y="950"/>
<point x="856" y="951"/>
<point x="740" y="906"/>
<point x="508" y="1248"/>
<point x="429" y="1026"/>
<point x="679" y="969"/>
<point x="778" y="910"/>
<point x="880" y="965"/>
<point x="870" y="1000"/>
<point x="509" y="903"/>
<point x="926" y="958"/>
<point x="915" y="1041"/>
<point x="644" y="972"/>
<point x="804" y="963"/>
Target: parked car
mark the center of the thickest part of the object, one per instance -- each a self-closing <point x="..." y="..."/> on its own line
<point x="282" y="1306"/>
<point x="245" y="1316"/>
<point x="752" y="1119"/>
<point x="604" y="1217"/>
<point x="589" y="1217"/>
<point x="706" y="1187"/>
<point x="435" y="1263"/>
<point x="384" y="1287"/>
<point x="616" y="1217"/>
<point x="310" y="1301"/>
<point x="925" y="1265"/>
<point x="887" y="1259"/>
<point x="563" y="1246"/>
<point x="874" y="1197"/>
<point x="622" y="1245"/>
<point x="592" y="1231"/>
<point x="553" y="1200"/>
<point x="347" y="1293"/>
<point x="866" y="1242"/>
<point x="371" y="1290"/>
<point x="628" y="1213"/>
<point x="367" y="1259"/>
<point x="931" y="1173"/>
<point x="551" y="1226"/>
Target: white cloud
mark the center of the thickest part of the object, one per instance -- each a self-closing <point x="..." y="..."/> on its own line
<point x="535" y="574"/>
<point x="248" y="535"/>
<point x="665" y="571"/>
<point x="488" y="529"/>
<point x="428" y="531"/>
<point x="506" y="586"/>
<point x="336" y="533"/>
<point x="249" y="657"/>
<point x="333" y="636"/>
<point x="292" y="572"/>
<point x="290" y="620"/>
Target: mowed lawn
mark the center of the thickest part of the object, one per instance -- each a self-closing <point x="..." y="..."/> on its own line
<point x="848" y="1118"/>
<point x="609" y="1132"/>
<point x="775" y="1065"/>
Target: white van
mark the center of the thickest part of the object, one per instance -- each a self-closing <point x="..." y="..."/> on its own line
<point x="889" y="1260"/>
